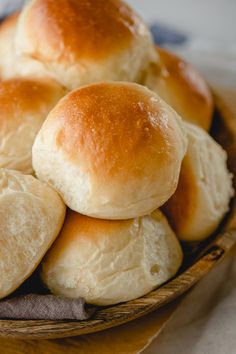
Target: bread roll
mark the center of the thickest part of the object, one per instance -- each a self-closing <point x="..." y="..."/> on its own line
<point x="31" y="216"/>
<point x="24" y="104"/>
<point x="204" y="190"/>
<point x="182" y="87"/>
<point x="107" y="262"/>
<point x="80" y="42"/>
<point x="112" y="150"/>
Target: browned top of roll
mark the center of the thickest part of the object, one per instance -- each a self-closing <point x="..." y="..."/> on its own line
<point x="113" y="146"/>
<point x="24" y="105"/>
<point x="103" y="124"/>
<point x="86" y="28"/>
<point x="184" y="89"/>
<point x="79" y="226"/>
<point x="21" y="96"/>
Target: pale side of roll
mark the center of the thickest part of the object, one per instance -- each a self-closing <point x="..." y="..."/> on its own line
<point x="112" y="150"/>
<point x="31" y="216"/>
<point x="7" y="57"/>
<point x="204" y="190"/>
<point x="11" y="64"/>
<point x="107" y="262"/>
<point x="24" y="105"/>
<point x="182" y="87"/>
<point x="89" y="41"/>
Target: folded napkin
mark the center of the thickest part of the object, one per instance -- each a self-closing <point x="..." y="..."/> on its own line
<point x="32" y="301"/>
<point x="47" y="307"/>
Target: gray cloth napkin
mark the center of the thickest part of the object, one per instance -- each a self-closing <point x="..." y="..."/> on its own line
<point x="47" y="307"/>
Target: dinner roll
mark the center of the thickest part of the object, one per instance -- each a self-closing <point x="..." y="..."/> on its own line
<point x="182" y="87"/>
<point x="112" y="150"/>
<point x="31" y="216"/>
<point x="24" y="104"/>
<point x="107" y="262"/>
<point x="83" y="41"/>
<point x="204" y="190"/>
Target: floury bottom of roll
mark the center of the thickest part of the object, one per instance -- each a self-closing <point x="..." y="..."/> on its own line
<point x="107" y="262"/>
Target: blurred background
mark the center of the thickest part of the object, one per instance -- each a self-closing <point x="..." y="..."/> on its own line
<point x="211" y="19"/>
<point x="202" y="31"/>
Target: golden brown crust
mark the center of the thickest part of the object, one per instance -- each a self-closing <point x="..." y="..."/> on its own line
<point x="68" y="30"/>
<point x="113" y="150"/>
<point x="180" y="208"/>
<point x="88" y="228"/>
<point x="26" y="96"/>
<point x="100" y="125"/>
<point x="184" y="89"/>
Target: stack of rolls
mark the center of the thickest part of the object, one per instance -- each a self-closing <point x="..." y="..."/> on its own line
<point x="113" y="151"/>
<point x="127" y="152"/>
